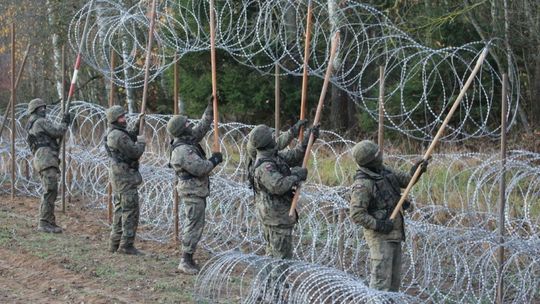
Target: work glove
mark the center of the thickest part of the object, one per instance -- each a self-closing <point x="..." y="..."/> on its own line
<point x="216" y="158"/>
<point x="313" y="130"/>
<point x="141" y="139"/>
<point x="423" y="163"/>
<point x="300" y="173"/>
<point x="406" y="205"/>
<point x="295" y="129"/>
<point x="384" y="226"/>
<point x="67" y="118"/>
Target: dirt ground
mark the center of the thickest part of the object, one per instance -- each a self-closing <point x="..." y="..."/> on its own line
<point x="75" y="266"/>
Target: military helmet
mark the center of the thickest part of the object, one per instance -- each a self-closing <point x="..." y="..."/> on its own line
<point x="114" y="112"/>
<point x="177" y="125"/>
<point x="365" y="152"/>
<point x="260" y="137"/>
<point x="34" y="104"/>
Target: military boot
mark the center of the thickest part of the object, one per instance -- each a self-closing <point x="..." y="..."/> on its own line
<point x="113" y="246"/>
<point x="129" y="249"/>
<point x="187" y="265"/>
<point x="48" y="228"/>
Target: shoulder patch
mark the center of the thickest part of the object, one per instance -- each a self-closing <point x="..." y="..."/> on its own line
<point x="268" y="167"/>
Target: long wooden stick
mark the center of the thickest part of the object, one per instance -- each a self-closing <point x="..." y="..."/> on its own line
<point x="111" y="103"/>
<point x="307" y="51"/>
<point x="381" y="110"/>
<point x="176" y="197"/>
<point x="147" y="64"/>
<point x="21" y="68"/>
<point x="13" y="102"/>
<point x="329" y="69"/>
<point x="277" y="100"/>
<point x="502" y="194"/>
<point x="216" y="147"/>
<point x="441" y="131"/>
<point x="63" y="165"/>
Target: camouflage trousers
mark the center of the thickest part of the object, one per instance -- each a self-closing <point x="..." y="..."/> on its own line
<point x="49" y="182"/>
<point x="385" y="264"/>
<point x="278" y="246"/>
<point x="194" y="209"/>
<point x="125" y="218"/>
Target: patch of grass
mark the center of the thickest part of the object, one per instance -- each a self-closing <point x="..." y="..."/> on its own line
<point x="5" y="236"/>
<point x="105" y="271"/>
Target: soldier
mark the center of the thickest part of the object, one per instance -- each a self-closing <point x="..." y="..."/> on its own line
<point x="124" y="148"/>
<point x="189" y="162"/>
<point x="274" y="183"/>
<point x="281" y="143"/>
<point x="375" y="192"/>
<point x="44" y="138"/>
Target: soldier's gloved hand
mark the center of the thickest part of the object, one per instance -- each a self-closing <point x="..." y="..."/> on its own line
<point x="216" y="158"/>
<point x="423" y="163"/>
<point x="295" y="129"/>
<point x="384" y="226"/>
<point x="300" y="173"/>
<point x="67" y="118"/>
<point x="313" y="130"/>
<point x="141" y="139"/>
<point x="407" y="205"/>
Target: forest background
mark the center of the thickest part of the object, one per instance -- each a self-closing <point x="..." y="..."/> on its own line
<point x="246" y="95"/>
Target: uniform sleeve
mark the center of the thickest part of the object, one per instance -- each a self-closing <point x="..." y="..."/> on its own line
<point x="403" y="178"/>
<point x="284" y="140"/>
<point x="293" y="157"/>
<point x="52" y="129"/>
<point x="200" y="130"/>
<point x="273" y="181"/>
<point x="360" y="198"/>
<point x="128" y="147"/>
<point x="186" y="159"/>
<point x="134" y="128"/>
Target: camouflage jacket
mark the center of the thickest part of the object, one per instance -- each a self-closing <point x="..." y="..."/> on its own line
<point x="282" y="142"/>
<point x="125" y="153"/>
<point x="274" y="185"/>
<point x="189" y="161"/>
<point x="44" y="137"/>
<point x="374" y="196"/>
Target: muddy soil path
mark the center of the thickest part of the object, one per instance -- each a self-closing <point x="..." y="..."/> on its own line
<point x="75" y="266"/>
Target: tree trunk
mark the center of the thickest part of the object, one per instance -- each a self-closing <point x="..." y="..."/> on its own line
<point x="52" y="12"/>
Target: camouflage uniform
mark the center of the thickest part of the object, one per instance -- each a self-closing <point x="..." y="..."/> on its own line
<point x="43" y="138"/>
<point x="189" y="161"/>
<point x="124" y="150"/>
<point x="274" y="184"/>
<point x="375" y="193"/>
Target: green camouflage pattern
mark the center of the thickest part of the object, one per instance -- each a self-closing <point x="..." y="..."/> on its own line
<point x="49" y="183"/>
<point x="125" y="218"/>
<point x="282" y="142"/>
<point x="114" y="112"/>
<point x="194" y="220"/>
<point x="364" y="152"/>
<point x="274" y="185"/>
<point x="385" y="268"/>
<point x="177" y="125"/>
<point x="186" y="160"/>
<point x="122" y="176"/>
<point x="46" y="157"/>
<point x="34" y="104"/>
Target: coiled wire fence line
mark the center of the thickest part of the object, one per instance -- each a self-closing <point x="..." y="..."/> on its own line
<point x="449" y="255"/>
<point x="421" y="82"/>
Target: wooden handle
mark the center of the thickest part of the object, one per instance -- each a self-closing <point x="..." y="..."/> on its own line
<point x="329" y="70"/>
<point x="307" y="42"/>
<point x="440" y="132"/>
<point x="147" y="63"/>
<point x="216" y="147"/>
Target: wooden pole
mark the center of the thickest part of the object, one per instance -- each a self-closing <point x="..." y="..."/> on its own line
<point x="277" y="101"/>
<point x="216" y="147"/>
<point x="63" y="165"/>
<point x="502" y="193"/>
<point x="21" y="68"/>
<point x="307" y="42"/>
<point x="147" y="64"/>
<point x="13" y="102"/>
<point x="329" y="69"/>
<point x="111" y="103"/>
<point x="176" y="197"/>
<point x="381" y="110"/>
<point x="429" y="151"/>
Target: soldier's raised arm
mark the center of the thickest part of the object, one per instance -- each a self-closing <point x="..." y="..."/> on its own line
<point x="285" y="138"/>
<point x="52" y="129"/>
<point x="203" y="126"/>
<point x="275" y="182"/>
<point x="188" y="160"/>
<point x="294" y="157"/>
<point x="129" y="148"/>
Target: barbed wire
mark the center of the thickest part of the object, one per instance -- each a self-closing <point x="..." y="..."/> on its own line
<point x="449" y="254"/>
<point x="420" y="82"/>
